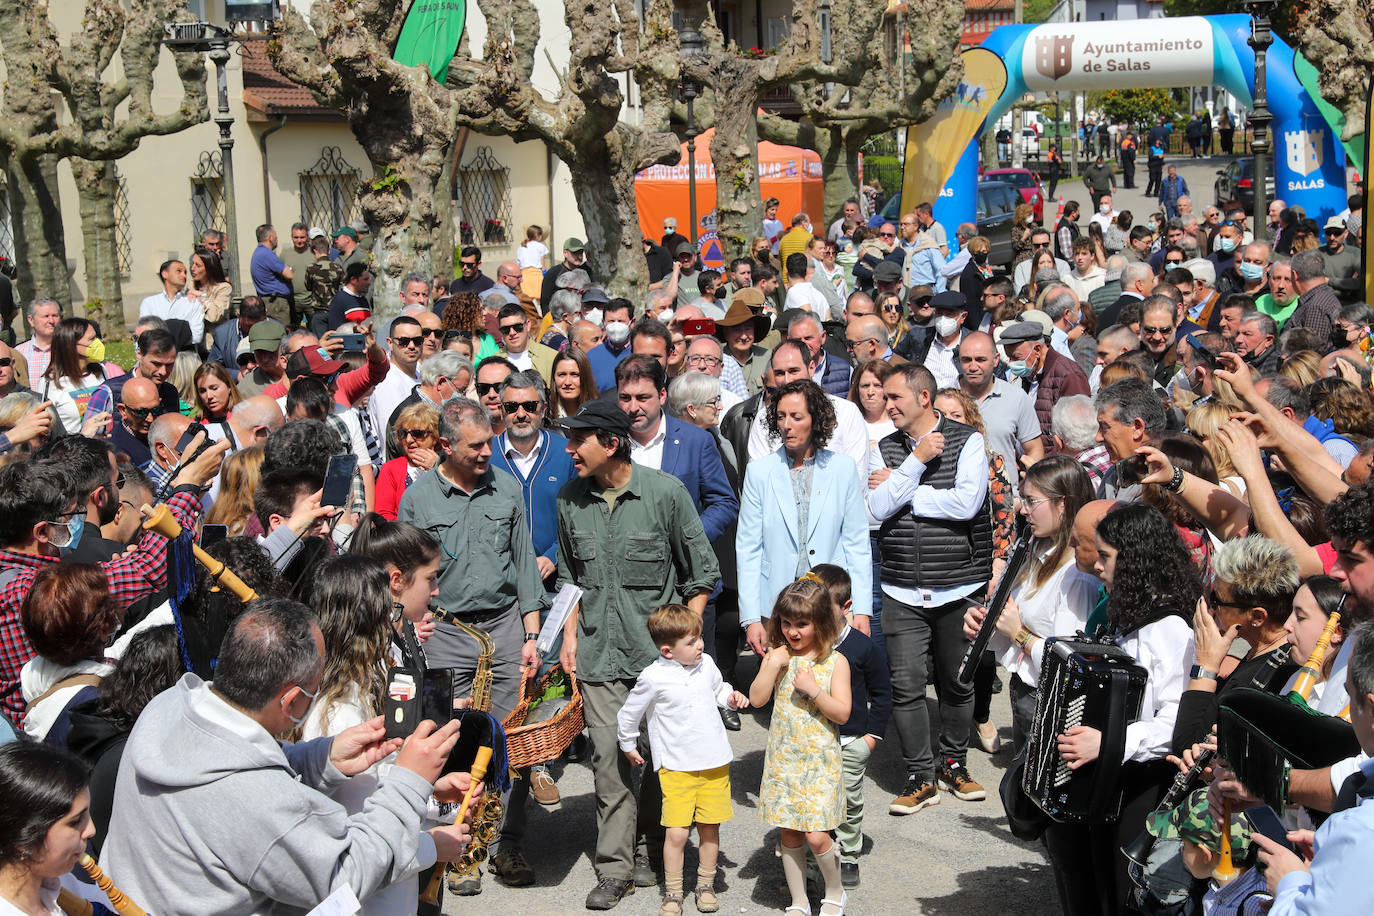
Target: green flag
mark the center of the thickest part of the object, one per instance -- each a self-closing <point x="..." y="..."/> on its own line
<point x="430" y="35"/>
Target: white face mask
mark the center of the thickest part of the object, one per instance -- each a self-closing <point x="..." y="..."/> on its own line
<point x="593" y="315"/>
<point x="617" y="331"/>
<point x="1105" y="208"/>
<point x="946" y="326"/>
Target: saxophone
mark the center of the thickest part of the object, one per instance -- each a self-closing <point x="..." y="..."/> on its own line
<point x="486" y="820"/>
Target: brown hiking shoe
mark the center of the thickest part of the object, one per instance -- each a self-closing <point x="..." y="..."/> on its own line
<point x="954" y="777"/>
<point x="914" y="797"/>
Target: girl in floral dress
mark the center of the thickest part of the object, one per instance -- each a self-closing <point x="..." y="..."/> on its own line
<point x="802" y="791"/>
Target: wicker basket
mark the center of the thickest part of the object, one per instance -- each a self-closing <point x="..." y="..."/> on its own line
<point x="527" y="745"/>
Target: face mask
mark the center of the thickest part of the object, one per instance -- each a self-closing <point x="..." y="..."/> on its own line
<point x="980" y="258"/>
<point x="1250" y="272"/>
<point x="1105" y="208"/>
<point x="1020" y="368"/>
<point x="945" y="326"/>
<point x="95" y="351"/>
<point x="1339" y="338"/>
<point x="594" y="316"/>
<point x="1225" y="243"/>
<point x="297" y="720"/>
<point x="617" y="331"/>
<point x="665" y="316"/>
<point x="73" y="527"/>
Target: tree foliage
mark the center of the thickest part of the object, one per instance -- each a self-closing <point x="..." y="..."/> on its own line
<point x="1337" y="36"/>
<point x="1137" y="107"/>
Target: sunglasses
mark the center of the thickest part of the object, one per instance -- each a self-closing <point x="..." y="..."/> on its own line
<point x="413" y="434"/>
<point x="455" y="334"/>
<point x="508" y="329"/>
<point x="484" y="388"/>
<point x="142" y="413"/>
<point x="6" y="361"/>
<point x="1040" y="244"/>
<point x="887" y="235"/>
<point x="472" y="264"/>
<point x="1214" y="601"/>
<point x="1156" y="332"/>
<point x="514" y="407"/>
<point x="408" y="341"/>
<point x="432" y="332"/>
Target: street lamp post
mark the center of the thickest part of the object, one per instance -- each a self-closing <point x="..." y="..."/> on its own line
<point x="206" y="37"/>
<point x="1260" y="39"/>
<point x="691" y="42"/>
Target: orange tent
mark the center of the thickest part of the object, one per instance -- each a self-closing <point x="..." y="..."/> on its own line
<point x="790" y="174"/>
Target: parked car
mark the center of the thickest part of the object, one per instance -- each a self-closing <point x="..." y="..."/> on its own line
<point x="997" y="202"/>
<point x="1237" y="182"/>
<point x="1027" y="182"/>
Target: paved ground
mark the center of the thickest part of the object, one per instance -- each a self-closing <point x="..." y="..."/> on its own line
<point x="1200" y="174"/>
<point x="956" y="859"/>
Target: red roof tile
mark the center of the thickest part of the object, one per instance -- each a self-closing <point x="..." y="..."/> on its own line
<point x="268" y="95"/>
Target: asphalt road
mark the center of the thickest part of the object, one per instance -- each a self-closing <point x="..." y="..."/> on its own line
<point x="1200" y="174"/>
<point x="954" y="859"/>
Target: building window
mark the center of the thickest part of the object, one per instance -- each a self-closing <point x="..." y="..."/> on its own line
<point x="207" y="195"/>
<point x="484" y="200"/>
<point x="329" y="191"/>
<point x="6" y="224"/>
<point x="123" y="248"/>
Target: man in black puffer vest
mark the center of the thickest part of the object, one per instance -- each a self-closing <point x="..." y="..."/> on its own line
<point x="936" y="540"/>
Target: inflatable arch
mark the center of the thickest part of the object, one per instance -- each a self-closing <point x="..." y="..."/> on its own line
<point x="1308" y="160"/>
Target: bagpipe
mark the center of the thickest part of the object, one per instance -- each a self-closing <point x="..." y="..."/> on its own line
<point x="75" y="905"/>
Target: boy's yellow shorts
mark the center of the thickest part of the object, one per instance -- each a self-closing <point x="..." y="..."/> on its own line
<point x="696" y="796"/>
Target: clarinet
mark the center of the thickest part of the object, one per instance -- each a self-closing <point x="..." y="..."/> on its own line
<point x="1139" y="849"/>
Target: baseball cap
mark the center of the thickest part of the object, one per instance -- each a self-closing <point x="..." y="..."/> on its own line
<point x="243" y="352"/>
<point x="1191" y="821"/>
<point x="1335" y="222"/>
<point x="683" y="248"/>
<point x="572" y="243"/>
<point x="594" y="294"/>
<point x="316" y="232"/>
<point x="348" y="231"/>
<point x="312" y="361"/>
<point x="600" y="415"/>
<point x="266" y="335"/>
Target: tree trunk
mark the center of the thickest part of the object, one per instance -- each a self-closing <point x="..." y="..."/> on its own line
<point x="95" y="187"/>
<point x="604" y="187"/>
<point x="40" y="247"/>
<point x="739" y="204"/>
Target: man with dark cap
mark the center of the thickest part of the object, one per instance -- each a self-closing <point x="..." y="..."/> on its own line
<point x="1043" y="373"/>
<point x="574" y="258"/>
<point x="941" y="348"/>
<point x="887" y="278"/>
<point x="631" y="539"/>
<point x="688" y="290"/>
<point x="346" y="243"/>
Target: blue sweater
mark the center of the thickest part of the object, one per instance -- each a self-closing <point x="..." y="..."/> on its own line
<point x="869" y="686"/>
<point x="553" y="469"/>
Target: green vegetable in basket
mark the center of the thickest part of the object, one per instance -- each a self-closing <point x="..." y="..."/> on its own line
<point x="556" y="687"/>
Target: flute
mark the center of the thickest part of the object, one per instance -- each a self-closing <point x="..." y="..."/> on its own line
<point x="76" y="905"/>
<point x="480" y="761"/>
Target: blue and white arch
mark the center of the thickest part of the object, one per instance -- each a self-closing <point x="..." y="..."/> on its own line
<point x="1309" y="161"/>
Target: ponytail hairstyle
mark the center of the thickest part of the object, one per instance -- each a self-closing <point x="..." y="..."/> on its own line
<point x="1064" y="479"/>
<point x="398" y="544"/>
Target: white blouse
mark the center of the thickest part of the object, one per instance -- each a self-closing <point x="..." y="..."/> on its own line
<point x="1060" y="607"/>
<point x="1164" y="649"/>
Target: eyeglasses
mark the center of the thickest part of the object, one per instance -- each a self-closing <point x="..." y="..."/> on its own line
<point x="508" y="329"/>
<point x="484" y="388"/>
<point x="907" y="222"/>
<point x="887" y="235"/>
<point x="1214" y="601"/>
<point x="413" y="434"/>
<point x="713" y="402"/>
<point x="851" y="344"/>
<point x="704" y="360"/>
<point x="142" y="413"/>
<point x="513" y="407"/>
<point x="408" y="341"/>
<point x="1156" y="332"/>
<point x="1032" y="503"/>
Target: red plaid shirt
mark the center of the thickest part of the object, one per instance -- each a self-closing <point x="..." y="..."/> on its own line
<point x="131" y="576"/>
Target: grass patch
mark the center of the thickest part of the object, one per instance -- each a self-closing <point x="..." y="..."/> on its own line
<point x="120" y="352"/>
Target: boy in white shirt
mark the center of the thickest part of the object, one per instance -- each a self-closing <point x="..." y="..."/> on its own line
<point x="679" y="694"/>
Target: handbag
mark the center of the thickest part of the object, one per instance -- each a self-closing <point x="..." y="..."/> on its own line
<point x="1024" y="817"/>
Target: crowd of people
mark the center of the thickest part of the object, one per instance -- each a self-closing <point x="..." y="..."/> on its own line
<point x="818" y="464"/>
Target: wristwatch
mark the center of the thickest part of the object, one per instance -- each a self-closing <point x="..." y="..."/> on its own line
<point x="1200" y="672"/>
<point x="531" y="637"/>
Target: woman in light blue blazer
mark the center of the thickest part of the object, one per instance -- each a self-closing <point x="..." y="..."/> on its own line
<point x="802" y="505"/>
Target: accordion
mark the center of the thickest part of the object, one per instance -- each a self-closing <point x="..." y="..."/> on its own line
<point x="1082" y="682"/>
